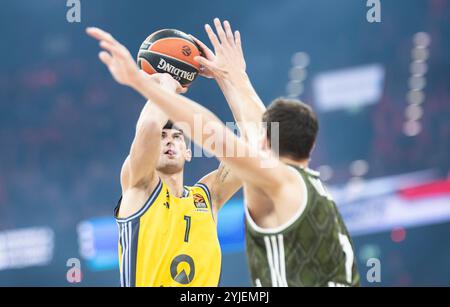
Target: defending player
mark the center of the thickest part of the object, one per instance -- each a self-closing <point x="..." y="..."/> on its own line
<point x="313" y="247"/>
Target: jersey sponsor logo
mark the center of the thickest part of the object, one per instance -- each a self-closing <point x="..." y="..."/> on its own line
<point x="200" y="203"/>
<point x="182" y="269"/>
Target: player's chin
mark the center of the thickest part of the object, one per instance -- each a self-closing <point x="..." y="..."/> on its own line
<point x="170" y="166"/>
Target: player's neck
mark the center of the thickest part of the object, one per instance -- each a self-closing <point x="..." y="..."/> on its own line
<point x="298" y="163"/>
<point x="174" y="183"/>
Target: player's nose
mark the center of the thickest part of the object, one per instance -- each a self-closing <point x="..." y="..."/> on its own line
<point x="169" y="142"/>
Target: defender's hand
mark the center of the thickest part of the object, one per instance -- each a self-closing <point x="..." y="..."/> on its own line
<point x="207" y="54"/>
<point x="227" y="61"/>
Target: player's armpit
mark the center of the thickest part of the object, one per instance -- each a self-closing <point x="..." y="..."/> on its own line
<point x="125" y="174"/>
<point x="134" y="196"/>
<point x="223" y="184"/>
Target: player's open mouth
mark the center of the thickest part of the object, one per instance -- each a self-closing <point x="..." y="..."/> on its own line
<point x="170" y="152"/>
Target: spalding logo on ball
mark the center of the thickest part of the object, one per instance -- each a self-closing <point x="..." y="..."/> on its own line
<point x="170" y="51"/>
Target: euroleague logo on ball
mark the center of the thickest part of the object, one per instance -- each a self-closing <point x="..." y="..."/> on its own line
<point x="186" y="50"/>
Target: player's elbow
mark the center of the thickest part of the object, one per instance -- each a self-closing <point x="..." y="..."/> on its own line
<point x="149" y="129"/>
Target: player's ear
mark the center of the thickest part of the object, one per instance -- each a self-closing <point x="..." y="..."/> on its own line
<point x="188" y="155"/>
<point x="313" y="147"/>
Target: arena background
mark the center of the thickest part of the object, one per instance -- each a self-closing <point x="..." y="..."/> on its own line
<point x="381" y="91"/>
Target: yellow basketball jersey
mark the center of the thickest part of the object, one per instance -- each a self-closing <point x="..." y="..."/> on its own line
<point x="171" y="241"/>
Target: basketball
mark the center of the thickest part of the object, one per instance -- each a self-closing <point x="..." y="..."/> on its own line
<point x="170" y="51"/>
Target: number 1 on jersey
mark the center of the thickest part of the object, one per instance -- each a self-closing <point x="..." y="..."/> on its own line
<point x="188" y="228"/>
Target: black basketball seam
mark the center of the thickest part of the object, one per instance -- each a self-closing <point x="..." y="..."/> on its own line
<point x="188" y="39"/>
<point x="158" y="53"/>
<point x="140" y="59"/>
<point x="154" y="33"/>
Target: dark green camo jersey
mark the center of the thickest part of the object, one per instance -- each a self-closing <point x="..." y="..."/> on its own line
<point x="315" y="249"/>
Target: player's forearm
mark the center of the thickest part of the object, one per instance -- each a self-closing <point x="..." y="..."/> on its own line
<point x="232" y="100"/>
<point x="244" y="102"/>
<point x="144" y="152"/>
<point x="152" y="112"/>
<point x="254" y="107"/>
<point x="235" y="105"/>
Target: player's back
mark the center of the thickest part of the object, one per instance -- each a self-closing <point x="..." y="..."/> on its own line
<point x="313" y="249"/>
<point x="171" y="241"/>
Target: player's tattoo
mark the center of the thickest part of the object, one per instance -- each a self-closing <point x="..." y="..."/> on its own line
<point x="223" y="173"/>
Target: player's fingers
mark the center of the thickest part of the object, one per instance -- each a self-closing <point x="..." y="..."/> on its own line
<point x="182" y="90"/>
<point x="94" y="32"/>
<point x="204" y="62"/>
<point x="204" y="49"/>
<point x="212" y="37"/>
<point x="220" y="31"/>
<point x="99" y="34"/>
<point x="116" y="49"/>
<point x="229" y="32"/>
<point x="105" y="57"/>
<point x="110" y="47"/>
<point x="237" y="38"/>
<point x="165" y="77"/>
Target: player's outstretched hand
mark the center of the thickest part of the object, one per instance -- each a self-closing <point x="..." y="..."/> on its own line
<point x="227" y="60"/>
<point x="116" y="57"/>
<point x="122" y="66"/>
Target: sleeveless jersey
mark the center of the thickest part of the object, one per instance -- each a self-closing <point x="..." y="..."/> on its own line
<point x="313" y="249"/>
<point x="171" y="241"/>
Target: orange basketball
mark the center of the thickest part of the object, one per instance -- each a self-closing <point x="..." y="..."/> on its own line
<point x="170" y="51"/>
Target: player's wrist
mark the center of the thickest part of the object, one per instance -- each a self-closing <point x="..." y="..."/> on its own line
<point x="238" y="77"/>
<point x="140" y="81"/>
<point x="223" y="84"/>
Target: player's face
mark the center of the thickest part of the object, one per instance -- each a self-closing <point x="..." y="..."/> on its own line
<point x="174" y="152"/>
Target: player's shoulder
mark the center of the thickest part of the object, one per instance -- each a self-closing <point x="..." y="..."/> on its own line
<point x="135" y="202"/>
<point x="200" y="190"/>
<point x="305" y="173"/>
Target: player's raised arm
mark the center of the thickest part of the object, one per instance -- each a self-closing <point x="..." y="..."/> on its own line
<point x="138" y="175"/>
<point x="139" y="167"/>
<point x="255" y="168"/>
<point x="227" y="66"/>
